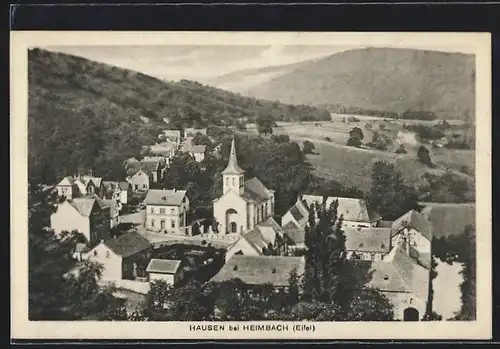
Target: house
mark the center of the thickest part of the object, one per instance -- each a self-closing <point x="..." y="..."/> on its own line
<point x="295" y="237"/>
<point x="264" y="239"/>
<point x="111" y="190"/>
<point x="261" y="270"/>
<point x="122" y="257"/>
<point x="85" y="215"/>
<point x="115" y="207"/>
<point x="297" y="215"/>
<point x="414" y="231"/>
<point x="142" y="174"/>
<point x="191" y="131"/>
<point x="244" y="203"/>
<point x="356" y="212"/>
<point x="173" y="136"/>
<point x="165" y="150"/>
<point x="167" y="270"/>
<point x="400" y="278"/>
<point x="196" y="151"/>
<point x="166" y="211"/>
<point x="80" y="250"/>
<point x="369" y="244"/>
<point x="130" y="161"/>
<point x="125" y="192"/>
<point x="449" y="218"/>
<point x="80" y="185"/>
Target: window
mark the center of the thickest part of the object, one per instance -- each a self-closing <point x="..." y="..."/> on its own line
<point x="145" y="186"/>
<point x="373" y="256"/>
<point x="136" y="186"/>
<point x="172" y="223"/>
<point x="152" y="210"/>
<point x="172" y="211"/>
<point x="152" y="222"/>
<point x="234" y="181"/>
<point x="162" y="224"/>
<point x="107" y="254"/>
<point x="227" y="181"/>
<point x="386" y="277"/>
<point x="233" y="227"/>
<point x="95" y="253"/>
<point x="162" y="211"/>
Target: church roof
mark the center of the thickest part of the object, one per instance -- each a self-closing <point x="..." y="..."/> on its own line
<point x="256" y="191"/>
<point x="232" y="165"/>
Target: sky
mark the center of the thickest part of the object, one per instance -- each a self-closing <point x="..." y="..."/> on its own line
<point x="202" y="63"/>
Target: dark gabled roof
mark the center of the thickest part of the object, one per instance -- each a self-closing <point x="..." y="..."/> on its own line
<point x="450" y="219"/>
<point x="414" y="220"/>
<point x="256" y="191"/>
<point x="165" y="266"/>
<point x="296" y="234"/>
<point x="377" y="240"/>
<point x="353" y="209"/>
<point x="165" y="197"/>
<point x="296" y="213"/>
<point x="128" y="244"/>
<point x="260" y="270"/>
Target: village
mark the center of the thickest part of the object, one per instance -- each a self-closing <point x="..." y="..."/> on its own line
<point x="140" y="232"/>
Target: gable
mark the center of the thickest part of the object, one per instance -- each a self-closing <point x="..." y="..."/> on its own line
<point x="230" y="195"/>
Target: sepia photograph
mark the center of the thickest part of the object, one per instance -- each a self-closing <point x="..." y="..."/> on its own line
<point x="250" y="185"/>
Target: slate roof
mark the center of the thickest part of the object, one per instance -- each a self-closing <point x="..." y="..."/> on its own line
<point x="163" y="266"/>
<point x="192" y="148"/>
<point x="83" y="205"/>
<point x="263" y="234"/>
<point x="112" y="204"/>
<point x="165" y="197"/>
<point x="296" y="234"/>
<point x="256" y="191"/>
<point x="368" y="239"/>
<point x="96" y="180"/>
<point x="401" y="274"/>
<point x="146" y="166"/>
<point x="128" y="244"/>
<point x="450" y="219"/>
<point x="260" y="270"/>
<point x="355" y="210"/>
<point x="414" y="220"/>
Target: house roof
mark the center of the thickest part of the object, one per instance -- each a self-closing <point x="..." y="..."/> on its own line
<point x="81" y="248"/>
<point x="368" y="239"/>
<point x="112" y="204"/>
<point x="172" y="133"/>
<point x="96" y="180"/>
<point x="232" y="164"/>
<point x="450" y="219"/>
<point x="165" y="197"/>
<point x="159" y="159"/>
<point x="263" y="234"/>
<point x="415" y="220"/>
<point x="296" y="234"/>
<point x="146" y="166"/>
<point x="165" y="266"/>
<point x="260" y="270"/>
<point x="66" y="181"/>
<point x="128" y="244"/>
<point x="163" y="147"/>
<point x="355" y="210"/>
<point x="193" y="148"/>
<point x="256" y="191"/>
<point x="83" y="205"/>
<point x="400" y="274"/>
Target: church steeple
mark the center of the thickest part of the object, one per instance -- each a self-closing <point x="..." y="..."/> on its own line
<point x="233" y="175"/>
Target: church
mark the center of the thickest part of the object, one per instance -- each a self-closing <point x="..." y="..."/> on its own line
<point x="244" y="203"/>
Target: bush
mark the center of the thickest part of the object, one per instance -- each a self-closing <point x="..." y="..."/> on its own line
<point x="328" y="139"/>
<point x="424" y="156"/>
<point x="308" y="147"/>
<point x="401" y="149"/>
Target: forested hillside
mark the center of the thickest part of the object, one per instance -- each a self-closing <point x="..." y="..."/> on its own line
<point x="87" y="115"/>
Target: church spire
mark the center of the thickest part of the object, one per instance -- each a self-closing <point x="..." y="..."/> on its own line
<point x="232" y="165"/>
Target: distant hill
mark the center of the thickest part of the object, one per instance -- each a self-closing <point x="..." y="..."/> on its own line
<point x="92" y="115"/>
<point x="385" y="79"/>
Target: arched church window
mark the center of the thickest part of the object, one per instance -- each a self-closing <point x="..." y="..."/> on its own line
<point x="227" y="181"/>
<point x="234" y="181"/>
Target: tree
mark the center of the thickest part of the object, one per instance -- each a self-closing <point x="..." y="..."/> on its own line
<point x="308" y="147"/>
<point x="389" y="195"/>
<point x="201" y="139"/>
<point x="54" y="292"/>
<point x="369" y="305"/>
<point x="380" y="141"/>
<point x="265" y="124"/>
<point x="355" y="137"/>
<point x="423" y="155"/>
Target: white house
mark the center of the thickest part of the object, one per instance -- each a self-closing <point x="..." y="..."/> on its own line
<point x="244" y="203"/>
<point x="166" y="211"/>
<point x="196" y="151"/>
<point x="167" y="270"/>
<point x="415" y="232"/>
<point x="369" y="244"/>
